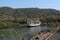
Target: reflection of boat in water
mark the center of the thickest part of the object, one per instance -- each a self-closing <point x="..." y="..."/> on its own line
<point x="33" y="23"/>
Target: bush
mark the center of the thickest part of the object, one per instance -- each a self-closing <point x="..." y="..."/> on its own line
<point x="8" y="24"/>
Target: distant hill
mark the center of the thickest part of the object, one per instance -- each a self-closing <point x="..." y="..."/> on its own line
<point x="28" y="12"/>
<point x="18" y="15"/>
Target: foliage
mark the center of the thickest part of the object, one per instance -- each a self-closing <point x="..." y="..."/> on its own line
<point x="8" y="24"/>
<point x="19" y="15"/>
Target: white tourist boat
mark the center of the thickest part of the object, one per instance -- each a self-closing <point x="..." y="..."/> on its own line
<point x="33" y="23"/>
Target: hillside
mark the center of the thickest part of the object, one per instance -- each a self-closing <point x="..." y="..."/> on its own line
<point x="28" y="12"/>
<point x="19" y="15"/>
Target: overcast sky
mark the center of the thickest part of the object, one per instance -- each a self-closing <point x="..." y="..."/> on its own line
<point x="54" y="4"/>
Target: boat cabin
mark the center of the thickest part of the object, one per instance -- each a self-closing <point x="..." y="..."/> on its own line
<point x="33" y="23"/>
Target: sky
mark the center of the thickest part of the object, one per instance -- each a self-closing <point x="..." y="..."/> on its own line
<point x="53" y="4"/>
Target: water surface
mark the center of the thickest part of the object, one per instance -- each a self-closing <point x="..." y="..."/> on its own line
<point x="26" y="32"/>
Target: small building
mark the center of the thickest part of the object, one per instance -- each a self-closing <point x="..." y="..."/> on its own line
<point x="33" y="23"/>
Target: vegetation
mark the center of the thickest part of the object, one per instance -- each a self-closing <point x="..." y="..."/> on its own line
<point x="11" y="17"/>
<point x="8" y="25"/>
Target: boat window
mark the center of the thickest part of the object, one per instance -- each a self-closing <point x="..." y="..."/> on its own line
<point x="37" y="22"/>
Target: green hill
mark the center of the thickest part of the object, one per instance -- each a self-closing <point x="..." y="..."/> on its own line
<point x="28" y="12"/>
<point x="19" y="15"/>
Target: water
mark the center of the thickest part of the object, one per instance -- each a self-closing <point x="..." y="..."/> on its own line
<point x="10" y="34"/>
<point x="27" y="32"/>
